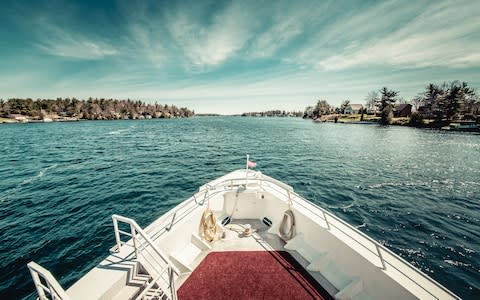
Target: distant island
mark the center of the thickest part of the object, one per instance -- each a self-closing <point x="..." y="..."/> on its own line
<point x="273" y="113"/>
<point x="72" y="109"/>
<point x="448" y="106"/>
<point x="208" y="115"/>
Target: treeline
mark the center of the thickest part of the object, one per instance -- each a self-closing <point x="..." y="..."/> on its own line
<point x="320" y="109"/>
<point x="91" y="109"/>
<point x="440" y="104"/>
<point x="447" y="102"/>
<point x="273" y="113"/>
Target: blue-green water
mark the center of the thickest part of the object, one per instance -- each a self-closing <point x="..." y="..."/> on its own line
<point x="416" y="191"/>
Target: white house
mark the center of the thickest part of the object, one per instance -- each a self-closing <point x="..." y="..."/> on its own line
<point x="354" y="109"/>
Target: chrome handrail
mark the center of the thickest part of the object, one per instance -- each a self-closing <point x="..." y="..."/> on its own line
<point x="155" y="259"/>
<point x="53" y="288"/>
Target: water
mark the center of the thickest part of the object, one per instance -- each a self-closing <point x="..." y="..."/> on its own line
<point x="416" y="191"/>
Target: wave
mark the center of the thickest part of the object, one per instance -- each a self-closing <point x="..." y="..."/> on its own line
<point x="361" y="225"/>
<point x="114" y="132"/>
<point x="348" y="206"/>
<point x="408" y="184"/>
<point x="412" y="252"/>
<point x="40" y="174"/>
<point x="456" y="263"/>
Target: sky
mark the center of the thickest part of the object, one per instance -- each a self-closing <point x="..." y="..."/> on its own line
<point x="231" y="57"/>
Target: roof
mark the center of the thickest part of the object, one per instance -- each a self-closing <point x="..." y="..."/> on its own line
<point x="400" y="107"/>
<point x="356" y="106"/>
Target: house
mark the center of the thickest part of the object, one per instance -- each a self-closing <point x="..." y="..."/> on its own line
<point x="402" y="110"/>
<point x="424" y="112"/>
<point x="354" y="109"/>
<point x="19" y="118"/>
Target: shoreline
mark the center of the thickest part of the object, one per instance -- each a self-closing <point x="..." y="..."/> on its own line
<point x="26" y="120"/>
<point x="451" y="126"/>
<point x="444" y="125"/>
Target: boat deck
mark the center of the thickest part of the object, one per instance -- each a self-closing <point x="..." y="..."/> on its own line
<point x="255" y="266"/>
<point x="251" y="275"/>
<point x="326" y="257"/>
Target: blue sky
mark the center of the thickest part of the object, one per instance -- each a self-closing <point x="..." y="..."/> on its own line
<point x="235" y="56"/>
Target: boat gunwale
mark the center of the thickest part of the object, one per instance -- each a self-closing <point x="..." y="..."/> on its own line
<point x="229" y="185"/>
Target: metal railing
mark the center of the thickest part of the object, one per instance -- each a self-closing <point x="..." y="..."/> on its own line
<point x="163" y="272"/>
<point x="155" y="263"/>
<point x="336" y="223"/>
<point x="51" y="289"/>
<point x="415" y="277"/>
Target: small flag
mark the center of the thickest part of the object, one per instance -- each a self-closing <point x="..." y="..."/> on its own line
<point x="251" y="164"/>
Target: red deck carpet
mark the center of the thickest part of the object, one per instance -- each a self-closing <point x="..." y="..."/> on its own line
<point x="250" y="275"/>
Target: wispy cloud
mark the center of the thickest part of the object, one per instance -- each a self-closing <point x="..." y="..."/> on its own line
<point x="283" y="27"/>
<point x="444" y="34"/>
<point x="269" y="53"/>
<point x="145" y="39"/>
<point x="212" y="43"/>
<point x="145" y="44"/>
<point x="59" y="42"/>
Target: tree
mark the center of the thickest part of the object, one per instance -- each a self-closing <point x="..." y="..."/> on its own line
<point x="451" y="102"/>
<point x="308" y="112"/>
<point x="417" y="101"/>
<point x="90" y="109"/>
<point x="454" y="98"/>
<point x="431" y="99"/>
<point x="385" y="105"/>
<point x="471" y="100"/>
<point x="388" y="97"/>
<point x="371" y="101"/>
<point x="416" y="119"/>
<point x="344" y="106"/>
<point x="322" y="108"/>
<point x="448" y="101"/>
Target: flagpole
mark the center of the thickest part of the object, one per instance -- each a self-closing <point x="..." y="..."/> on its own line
<point x="246" y="171"/>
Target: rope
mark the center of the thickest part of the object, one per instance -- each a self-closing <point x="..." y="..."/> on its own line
<point x="208" y="225"/>
<point x="289" y="202"/>
<point x="244" y="230"/>
<point x="208" y="222"/>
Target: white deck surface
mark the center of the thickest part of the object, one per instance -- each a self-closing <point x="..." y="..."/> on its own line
<point x="356" y="266"/>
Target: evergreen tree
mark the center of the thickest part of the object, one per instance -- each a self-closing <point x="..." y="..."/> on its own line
<point x="385" y="105"/>
<point x="91" y="109"/>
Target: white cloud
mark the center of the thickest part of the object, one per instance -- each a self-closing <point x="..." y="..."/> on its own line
<point x="445" y="34"/>
<point x="214" y="43"/>
<point x="57" y="41"/>
<point x="284" y="27"/>
<point x="146" y="44"/>
<point x="144" y="40"/>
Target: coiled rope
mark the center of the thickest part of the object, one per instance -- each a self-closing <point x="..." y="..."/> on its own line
<point x="287" y="227"/>
<point x="208" y="223"/>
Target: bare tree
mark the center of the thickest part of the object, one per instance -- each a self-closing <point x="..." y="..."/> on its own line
<point x="417" y="101"/>
<point x="371" y="101"/>
<point x="322" y="108"/>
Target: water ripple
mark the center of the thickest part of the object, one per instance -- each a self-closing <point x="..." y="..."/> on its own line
<point x="415" y="191"/>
